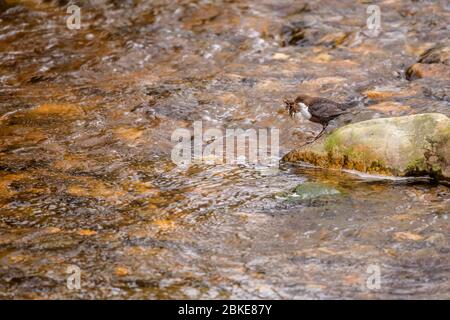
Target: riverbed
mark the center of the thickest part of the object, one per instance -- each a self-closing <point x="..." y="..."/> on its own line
<point x="86" y="175"/>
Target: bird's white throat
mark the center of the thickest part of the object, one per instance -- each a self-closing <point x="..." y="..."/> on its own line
<point x="304" y="110"/>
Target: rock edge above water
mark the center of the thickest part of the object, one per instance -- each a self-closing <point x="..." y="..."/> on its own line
<point x="414" y="145"/>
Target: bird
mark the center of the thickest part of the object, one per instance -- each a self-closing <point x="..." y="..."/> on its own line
<point x="315" y="109"/>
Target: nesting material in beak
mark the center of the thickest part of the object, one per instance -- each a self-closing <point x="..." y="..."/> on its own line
<point x="291" y="107"/>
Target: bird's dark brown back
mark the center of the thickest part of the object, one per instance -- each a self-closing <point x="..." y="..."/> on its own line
<point x="323" y="110"/>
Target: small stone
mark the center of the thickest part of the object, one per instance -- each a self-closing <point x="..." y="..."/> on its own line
<point x="280" y="56"/>
<point x="128" y="135"/>
<point x="86" y="232"/>
<point x="121" y="271"/>
<point x="437" y="239"/>
<point x="322" y="58"/>
<point x="407" y="236"/>
<point x="164" y="224"/>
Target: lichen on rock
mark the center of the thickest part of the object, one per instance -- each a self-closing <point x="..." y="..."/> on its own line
<point x="399" y="146"/>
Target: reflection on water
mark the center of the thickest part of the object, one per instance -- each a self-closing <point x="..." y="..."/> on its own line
<point x="86" y="178"/>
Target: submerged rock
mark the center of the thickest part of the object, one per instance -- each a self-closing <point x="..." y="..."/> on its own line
<point x="400" y="146"/>
<point x="310" y="190"/>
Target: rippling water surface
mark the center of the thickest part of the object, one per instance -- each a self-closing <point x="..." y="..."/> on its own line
<point x="86" y="177"/>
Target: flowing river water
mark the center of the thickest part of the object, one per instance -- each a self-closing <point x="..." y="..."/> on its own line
<point x="87" y="180"/>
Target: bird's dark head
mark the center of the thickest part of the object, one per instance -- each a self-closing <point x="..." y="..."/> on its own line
<point x="302" y="101"/>
<point x="305" y="99"/>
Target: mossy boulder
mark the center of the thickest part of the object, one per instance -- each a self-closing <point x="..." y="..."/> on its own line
<point x="401" y="146"/>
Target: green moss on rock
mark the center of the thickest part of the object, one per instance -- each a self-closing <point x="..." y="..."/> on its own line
<point x="401" y="146"/>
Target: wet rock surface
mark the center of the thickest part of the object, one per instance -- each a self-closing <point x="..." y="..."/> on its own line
<point x="434" y="63"/>
<point x="400" y="146"/>
<point x="86" y="178"/>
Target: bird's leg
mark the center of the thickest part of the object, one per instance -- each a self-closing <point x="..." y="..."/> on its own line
<point x="328" y="128"/>
<point x="320" y="134"/>
<point x="317" y="137"/>
<point x="313" y="140"/>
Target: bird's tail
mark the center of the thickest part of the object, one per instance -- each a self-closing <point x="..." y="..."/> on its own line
<point x="354" y="106"/>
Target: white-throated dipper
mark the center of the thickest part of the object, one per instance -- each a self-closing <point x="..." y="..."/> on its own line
<point x="318" y="110"/>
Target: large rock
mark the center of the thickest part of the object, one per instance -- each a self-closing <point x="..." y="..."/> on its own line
<point x="401" y="146"/>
